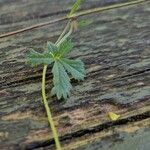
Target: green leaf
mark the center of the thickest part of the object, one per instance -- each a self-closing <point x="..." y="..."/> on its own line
<point x="74" y="67"/>
<point x="61" y="81"/>
<point x="65" y="47"/>
<point x="62" y="67"/>
<point x="52" y="48"/>
<point x="74" y="7"/>
<point x="34" y="58"/>
<point x="84" y="23"/>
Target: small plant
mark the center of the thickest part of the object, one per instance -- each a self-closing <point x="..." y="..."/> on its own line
<point x="56" y="55"/>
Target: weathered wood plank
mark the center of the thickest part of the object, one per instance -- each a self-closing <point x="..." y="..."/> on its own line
<point x="19" y="13"/>
<point x="134" y="136"/>
<point x="121" y="137"/>
<point x="115" y="49"/>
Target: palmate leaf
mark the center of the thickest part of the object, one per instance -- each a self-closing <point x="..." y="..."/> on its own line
<point x="62" y="67"/>
<point x="34" y="58"/>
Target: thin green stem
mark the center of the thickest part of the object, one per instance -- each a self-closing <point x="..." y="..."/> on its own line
<point x="64" y="31"/>
<point x="65" y="36"/>
<point x="48" y="111"/>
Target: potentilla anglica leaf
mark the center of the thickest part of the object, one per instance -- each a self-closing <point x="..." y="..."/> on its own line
<point x="61" y="81"/>
<point x="34" y="58"/>
<point x="74" y="67"/>
<point x="62" y="67"/>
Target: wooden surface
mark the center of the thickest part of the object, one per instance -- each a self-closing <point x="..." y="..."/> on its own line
<point x="115" y="50"/>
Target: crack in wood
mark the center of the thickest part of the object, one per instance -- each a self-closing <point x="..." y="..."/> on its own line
<point x="92" y="130"/>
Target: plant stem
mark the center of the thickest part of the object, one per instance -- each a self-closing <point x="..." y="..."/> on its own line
<point x="48" y="111"/>
<point x="64" y="31"/>
<point x="65" y="36"/>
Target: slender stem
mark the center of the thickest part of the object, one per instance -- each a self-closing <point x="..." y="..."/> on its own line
<point x="85" y="12"/>
<point x="65" y="36"/>
<point x="64" y="31"/>
<point x="48" y="111"/>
